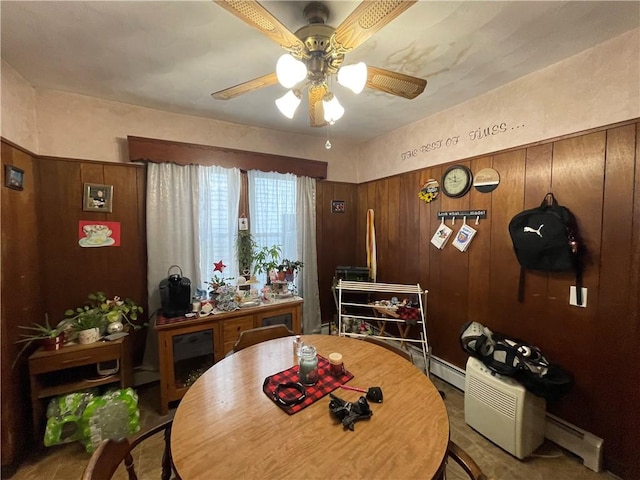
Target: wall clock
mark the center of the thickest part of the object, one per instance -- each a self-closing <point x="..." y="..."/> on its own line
<point x="456" y="181"/>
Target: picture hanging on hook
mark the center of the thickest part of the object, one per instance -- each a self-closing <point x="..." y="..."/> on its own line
<point x="440" y="238"/>
<point x="243" y="223"/>
<point x="464" y="236"/>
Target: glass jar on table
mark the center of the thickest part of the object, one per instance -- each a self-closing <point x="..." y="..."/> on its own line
<point x="308" y="366"/>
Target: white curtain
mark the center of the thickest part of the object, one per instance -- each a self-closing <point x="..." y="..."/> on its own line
<point x="272" y="207"/>
<point x="218" y="205"/>
<point x="172" y="236"/>
<point x="172" y="224"/>
<point x="306" y="235"/>
<point x="192" y="214"/>
<point x="283" y="212"/>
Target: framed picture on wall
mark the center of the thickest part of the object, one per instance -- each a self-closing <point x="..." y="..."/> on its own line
<point x="13" y="177"/>
<point x="337" y="206"/>
<point x="97" y="198"/>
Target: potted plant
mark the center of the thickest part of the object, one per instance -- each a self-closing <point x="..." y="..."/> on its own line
<point x="87" y="324"/>
<point x="289" y="268"/>
<point x="266" y="259"/>
<point x="114" y="312"/>
<point x="246" y="246"/>
<point x="51" y="338"/>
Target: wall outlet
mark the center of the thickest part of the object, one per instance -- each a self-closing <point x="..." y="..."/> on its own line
<point x="572" y="297"/>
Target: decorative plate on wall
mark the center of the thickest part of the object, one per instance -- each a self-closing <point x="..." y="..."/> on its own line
<point x="429" y="191"/>
<point x="486" y="180"/>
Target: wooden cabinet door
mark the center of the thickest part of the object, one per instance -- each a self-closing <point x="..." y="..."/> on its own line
<point x="231" y="331"/>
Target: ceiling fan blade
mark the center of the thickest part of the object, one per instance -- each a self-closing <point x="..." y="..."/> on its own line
<point x="255" y="15"/>
<point x="365" y="20"/>
<point x="316" y="110"/>
<point x="394" y="83"/>
<point x="246" y="87"/>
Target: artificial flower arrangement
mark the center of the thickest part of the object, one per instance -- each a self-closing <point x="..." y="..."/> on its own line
<point x="217" y="281"/>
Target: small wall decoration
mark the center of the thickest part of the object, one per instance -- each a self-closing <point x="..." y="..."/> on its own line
<point x="98" y="234"/>
<point x="486" y="180"/>
<point x="97" y="198"/>
<point x="429" y="191"/>
<point x="337" y="206"/>
<point x="243" y="223"/>
<point x="13" y="177"/>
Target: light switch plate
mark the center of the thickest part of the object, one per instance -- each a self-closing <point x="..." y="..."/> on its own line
<point x="572" y="297"/>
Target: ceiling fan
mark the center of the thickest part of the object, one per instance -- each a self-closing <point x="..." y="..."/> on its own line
<point x="316" y="52"/>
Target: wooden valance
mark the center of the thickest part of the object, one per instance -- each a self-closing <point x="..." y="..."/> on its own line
<point x="160" y="151"/>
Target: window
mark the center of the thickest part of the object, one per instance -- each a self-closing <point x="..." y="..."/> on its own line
<point x="272" y="203"/>
<point x="218" y="198"/>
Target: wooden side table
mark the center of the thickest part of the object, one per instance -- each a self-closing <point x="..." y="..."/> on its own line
<point x="73" y="368"/>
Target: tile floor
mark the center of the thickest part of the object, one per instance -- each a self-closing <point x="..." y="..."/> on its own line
<point x="549" y="462"/>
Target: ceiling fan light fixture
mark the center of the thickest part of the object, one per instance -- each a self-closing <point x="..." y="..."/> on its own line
<point x="288" y="103"/>
<point x="290" y="71"/>
<point x="333" y="111"/>
<point x="353" y="77"/>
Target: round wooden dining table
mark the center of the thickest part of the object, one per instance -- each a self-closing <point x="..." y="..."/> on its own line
<point x="227" y="427"/>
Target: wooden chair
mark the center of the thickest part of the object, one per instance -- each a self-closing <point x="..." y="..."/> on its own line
<point x="465" y="461"/>
<point x="111" y="453"/>
<point x="406" y="354"/>
<point x="260" y="334"/>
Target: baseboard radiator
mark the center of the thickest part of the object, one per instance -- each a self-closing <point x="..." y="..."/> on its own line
<point x="579" y="442"/>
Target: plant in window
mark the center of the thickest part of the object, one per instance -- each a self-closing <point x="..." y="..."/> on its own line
<point x="266" y="259"/>
<point x="246" y="247"/>
<point x="217" y="281"/>
<point x="290" y="268"/>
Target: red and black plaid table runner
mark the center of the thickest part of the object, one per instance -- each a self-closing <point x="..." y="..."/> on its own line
<point x="326" y="383"/>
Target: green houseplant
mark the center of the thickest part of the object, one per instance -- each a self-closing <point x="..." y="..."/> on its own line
<point x="246" y="246"/>
<point x="107" y="310"/>
<point x="289" y="268"/>
<point x="51" y="338"/>
<point x="265" y="259"/>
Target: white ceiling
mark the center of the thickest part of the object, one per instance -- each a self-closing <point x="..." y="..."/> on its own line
<point x="172" y="55"/>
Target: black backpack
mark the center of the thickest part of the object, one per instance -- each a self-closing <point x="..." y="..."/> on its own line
<point x="545" y="239"/>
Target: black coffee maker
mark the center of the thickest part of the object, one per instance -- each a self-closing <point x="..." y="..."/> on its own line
<point x="175" y="294"/>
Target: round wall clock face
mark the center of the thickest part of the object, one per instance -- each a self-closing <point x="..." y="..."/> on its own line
<point x="456" y="181"/>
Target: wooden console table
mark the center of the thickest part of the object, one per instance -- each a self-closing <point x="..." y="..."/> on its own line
<point x="73" y="368"/>
<point x="188" y="346"/>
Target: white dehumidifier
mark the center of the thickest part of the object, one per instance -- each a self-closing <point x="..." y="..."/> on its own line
<point x="502" y="410"/>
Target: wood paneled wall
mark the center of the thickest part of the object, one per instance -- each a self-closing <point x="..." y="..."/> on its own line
<point x="45" y="271"/>
<point x="596" y="176"/>
<point x="70" y="272"/>
<point x="21" y="300"/>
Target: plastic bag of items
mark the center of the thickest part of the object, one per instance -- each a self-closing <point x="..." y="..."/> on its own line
<point x="113" y="415"/>
<point x="64" y="416"/>
<point x="90" y="418"/>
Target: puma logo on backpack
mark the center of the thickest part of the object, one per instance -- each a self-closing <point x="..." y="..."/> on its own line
<point x="545" y="239"/>
<point x="529" y="229"/>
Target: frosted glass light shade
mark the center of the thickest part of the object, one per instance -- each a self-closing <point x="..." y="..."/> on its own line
<point x="353" y="77"/>
<point x="288" y="103"/>
<point x="290" y="71"/>
<point x="333" y="111"/>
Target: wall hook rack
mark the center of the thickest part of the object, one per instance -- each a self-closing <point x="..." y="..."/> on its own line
<point x="477" y="214"/>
